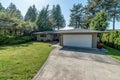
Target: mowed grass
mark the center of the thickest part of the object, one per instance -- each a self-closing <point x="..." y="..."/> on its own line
<point x="113" y="52"/>
<point x="22" y="61"/>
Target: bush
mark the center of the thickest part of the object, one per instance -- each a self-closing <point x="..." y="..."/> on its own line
<point x="117" y="43"/>
<point x="13" y="39"/>
<point x="112" y="39"/>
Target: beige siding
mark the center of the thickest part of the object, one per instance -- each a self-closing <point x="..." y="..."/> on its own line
<point x="38" y="37"/>
<point x="94" y="40"/>
<point x="48" y="37"/>
<point x="61" y="39"/>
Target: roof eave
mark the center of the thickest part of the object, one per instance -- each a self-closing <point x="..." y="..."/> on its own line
<point x="78" y="32"/>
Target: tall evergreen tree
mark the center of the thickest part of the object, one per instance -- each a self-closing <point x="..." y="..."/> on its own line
<point x="93" y="7"/>
<point x="99" y="22"/>
<point x="76" y="16"/>
<point x="52" y="17"/>
<point x="42" y="21"/>
<point x="11" y="22"/>
<point x="112" y="8"/>
<point x="57" y="18"/>
<point x="13" y="11"/>
<point x="1" y="7"/>
<point x="31" y="14"/>
<point x="2" y="15"/>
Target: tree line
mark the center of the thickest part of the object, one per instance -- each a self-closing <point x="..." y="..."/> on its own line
<point x="50" y="19"/>
<point x="12" y="22"/>
<point x="95" y="15"/>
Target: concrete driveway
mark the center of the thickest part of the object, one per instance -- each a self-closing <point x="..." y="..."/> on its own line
<point x="79" y="64"/>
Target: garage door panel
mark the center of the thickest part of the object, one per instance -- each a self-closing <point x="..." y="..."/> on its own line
<point x="77" y="40"/>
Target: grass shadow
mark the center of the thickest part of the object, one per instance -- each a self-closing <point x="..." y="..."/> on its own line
<point x="113" y="52"/>
<point x="3" y="47"/>
<point x="22" y="45"/>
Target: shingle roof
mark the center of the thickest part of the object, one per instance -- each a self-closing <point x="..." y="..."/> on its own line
<point x="70" y="31"/>
<point x="46" y="32"/>
<point x="79" y="31"/>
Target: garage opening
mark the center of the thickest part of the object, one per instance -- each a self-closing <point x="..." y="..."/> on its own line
<point x="77" y="40"/>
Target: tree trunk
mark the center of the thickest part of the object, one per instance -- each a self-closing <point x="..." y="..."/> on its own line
<point x="114" y="15"/>
<point x="79" y="25"/>
<point x="76" y="25"/>
<point x="5" y="31"/>
<point x="15" y="31"/>
<point x="58" y="27"/>
<point x="113" y="22"/>
<point x="20" y="32"/>
<point x="0" y="30"/>
<point x="10" y="31"/>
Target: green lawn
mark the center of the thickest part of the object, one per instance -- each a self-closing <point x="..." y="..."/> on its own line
<point x="113" y="52"/>
<point x="22" y="61"/>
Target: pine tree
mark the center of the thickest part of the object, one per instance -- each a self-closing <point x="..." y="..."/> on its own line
<point x="12" y="23"/>
<point x="52" y="17"/>
<point x="1" y="7"/>
<point x="99" y="22"/>
<point x="31" y="14"/>
<point x="42" y="21"/>
<point x="13" y="11"/>
<point x="112" y="8"/>
<point x="76" y="16"/>
<point x="57" y="18"/>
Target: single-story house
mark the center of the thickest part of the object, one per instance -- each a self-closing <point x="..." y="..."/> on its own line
<point x="73" y="38"/>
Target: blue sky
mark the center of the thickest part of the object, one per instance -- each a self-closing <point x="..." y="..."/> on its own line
<point x="66" y="5"/>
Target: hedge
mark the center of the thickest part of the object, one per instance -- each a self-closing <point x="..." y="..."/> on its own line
<point x="14" y="39"/>
<point x="111" y="38"/>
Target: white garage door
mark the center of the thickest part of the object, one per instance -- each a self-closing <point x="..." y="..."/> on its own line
<point x="77" y="40"/>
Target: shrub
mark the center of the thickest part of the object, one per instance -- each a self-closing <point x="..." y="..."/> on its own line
<point x="117" y="43"/>
<point x="112" y="39"/>
<point x="13" y="39"/>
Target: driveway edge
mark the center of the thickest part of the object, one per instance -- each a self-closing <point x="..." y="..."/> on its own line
<point x="113" y="58"/>
<point x="42" y="68"/>
<point x="106" y="51"/>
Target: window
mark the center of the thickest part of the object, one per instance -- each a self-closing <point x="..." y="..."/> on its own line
<point x="42" y="35"/>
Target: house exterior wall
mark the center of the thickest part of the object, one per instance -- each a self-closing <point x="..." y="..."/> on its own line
<point x="48" y="37"/>
<point x="94" y="40"/>
<point x="61" y="39"/>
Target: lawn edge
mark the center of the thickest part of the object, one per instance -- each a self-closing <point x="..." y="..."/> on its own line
<point x="40" y="71"/>
<point x="111" y="56"/>
<point x="114" y="58"/>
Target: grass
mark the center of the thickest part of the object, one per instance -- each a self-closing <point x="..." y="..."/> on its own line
<point x="22" y="61"/>
<point x="113" y="52"/>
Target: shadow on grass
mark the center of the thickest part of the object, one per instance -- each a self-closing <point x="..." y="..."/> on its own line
<point x="3" y="47"/>
<point x="112" y="51"/>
